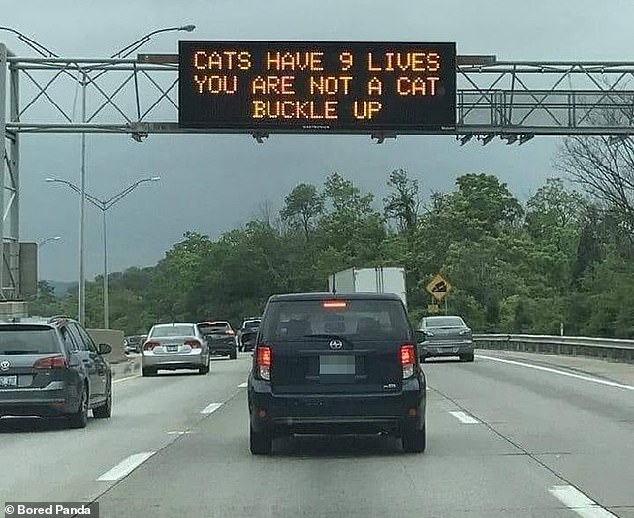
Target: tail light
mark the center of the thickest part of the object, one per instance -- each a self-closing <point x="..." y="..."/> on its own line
<point x="263" y="362"/>
<point x="51" y="362"/>
<point x="408" y="360"/>
<point x="149" y="346"/>
<point x="230" y="332"/>
<point x="194" y="344"/>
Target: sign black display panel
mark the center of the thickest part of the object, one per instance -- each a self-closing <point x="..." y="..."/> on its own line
<point x="306" y="87"/>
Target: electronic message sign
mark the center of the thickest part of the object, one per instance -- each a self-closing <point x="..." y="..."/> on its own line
<point x="307" y="87"/>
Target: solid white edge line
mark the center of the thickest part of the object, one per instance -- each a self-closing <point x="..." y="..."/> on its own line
<point x="578" y="502"/>
<point x="126" y="466"/>
<point x="562" y="373"/>
<point x="243" y="385"/>
<point x="464" y="418"/>
<point x="210" y="408"/>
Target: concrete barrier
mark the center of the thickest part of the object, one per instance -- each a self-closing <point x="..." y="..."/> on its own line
<point x="601" y="348"/>
<point x="130" y="367"/>
<point x="113" y="337"/>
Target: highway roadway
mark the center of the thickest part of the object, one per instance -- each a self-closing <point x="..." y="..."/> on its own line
<point x="508" y="435"/>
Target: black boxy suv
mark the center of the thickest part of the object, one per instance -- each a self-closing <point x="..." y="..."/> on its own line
<point x="343" y="363"/>
<point x="53" y="369"/>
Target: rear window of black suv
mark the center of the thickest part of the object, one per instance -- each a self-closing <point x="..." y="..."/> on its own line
<point x="358" y="319"/>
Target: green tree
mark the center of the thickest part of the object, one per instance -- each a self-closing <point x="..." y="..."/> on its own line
<point x="403" y="202"/>
<point x="302" y="206"/>
<point x="351" y="224"/>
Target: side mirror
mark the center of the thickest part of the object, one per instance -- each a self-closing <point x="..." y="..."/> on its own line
<point x="104" y="349"/>
<point x="420" y="336"/>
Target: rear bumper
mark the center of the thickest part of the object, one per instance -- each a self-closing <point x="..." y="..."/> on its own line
<point x="436" y="349"/>
<point x="336" y="413"/>
<point x="52" y="401"/>
<point x="222" y="348"/>
<point x="174" y="361"/>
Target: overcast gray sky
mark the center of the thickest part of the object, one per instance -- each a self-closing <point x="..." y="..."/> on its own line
<point x="205" y="179"/>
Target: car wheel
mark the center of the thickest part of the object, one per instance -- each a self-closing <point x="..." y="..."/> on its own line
<point x="204" y="369"/>
<point x="467" y="357"/>
<point x="103" y="411"/>
<point x="148" y="371"/>
<point x="80" y="418"/>
<point x="233" y="355"/>
<point x="260" y="443"/>
<point x="414" y="441"/>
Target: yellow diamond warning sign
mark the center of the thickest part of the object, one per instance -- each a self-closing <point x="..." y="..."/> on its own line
<point x="439" y="287"/>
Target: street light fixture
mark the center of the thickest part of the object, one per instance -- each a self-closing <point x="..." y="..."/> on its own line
<point x="104" y="206"/>
<point x="35" y="45"/>
<point x="129" y="49"/>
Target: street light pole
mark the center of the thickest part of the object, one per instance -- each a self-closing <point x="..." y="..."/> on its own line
<point x="81" y="295"/>
<point x="104" y="206"/>
<point x="42" y="243"/>
<point x="106" y="302"/>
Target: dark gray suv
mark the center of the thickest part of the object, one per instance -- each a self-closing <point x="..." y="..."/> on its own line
<point x="329" y="364"/>
<point x="53" y="369"/>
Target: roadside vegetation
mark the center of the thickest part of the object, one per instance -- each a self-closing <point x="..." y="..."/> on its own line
<point x="564" y="256"/>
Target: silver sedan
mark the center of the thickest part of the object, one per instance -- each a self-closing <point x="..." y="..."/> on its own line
<point x="174" y="346"/>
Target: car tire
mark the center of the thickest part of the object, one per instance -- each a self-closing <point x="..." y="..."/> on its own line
<point x="103" y="411"/>
<point x="233" y="355"/>
<point x="260" y="443"/>
<point x="414" y="441"/>
<point x="148" y="371"/>
<point x="204" y="369"/>
<point x="467" y="357"/>
<point x="80" y="418"/>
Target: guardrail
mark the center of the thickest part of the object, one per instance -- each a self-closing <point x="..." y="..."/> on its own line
<point x="602" y="348"/>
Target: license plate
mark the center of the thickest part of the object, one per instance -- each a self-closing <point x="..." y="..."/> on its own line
<point x="172" y="348"/>
<point x="337" y="364"/>
<point x="8" y="381"/>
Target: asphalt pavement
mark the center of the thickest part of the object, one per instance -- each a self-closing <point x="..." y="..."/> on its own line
<point x="508" y="435"/>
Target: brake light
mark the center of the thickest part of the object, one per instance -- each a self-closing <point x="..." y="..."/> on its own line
<point x="149" y="346"/>
<point x="51" y="362"/>
<point x="263" y="360"/>
<point x="408" y="360"/>
<point x="230" y="332"/>
<point x="334" y="303"/>
<point x="194" y="344"/>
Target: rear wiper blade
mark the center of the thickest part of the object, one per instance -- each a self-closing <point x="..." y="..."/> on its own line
<point x="19" y="351"/>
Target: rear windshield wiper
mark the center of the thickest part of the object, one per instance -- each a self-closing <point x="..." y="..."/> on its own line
<point x="19" y="351"/>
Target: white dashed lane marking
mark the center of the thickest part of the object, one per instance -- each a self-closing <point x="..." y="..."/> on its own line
<point x="126" y="466"/>
<point x="211" y="408"/>
<point x="464" y="418"/>
<point x="578" y="502"/>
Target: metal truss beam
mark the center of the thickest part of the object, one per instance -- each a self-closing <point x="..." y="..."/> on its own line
<point x="526" y="98"/>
